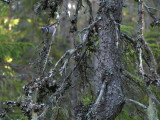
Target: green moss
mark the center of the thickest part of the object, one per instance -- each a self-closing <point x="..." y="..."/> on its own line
<point x="87" y="98"/>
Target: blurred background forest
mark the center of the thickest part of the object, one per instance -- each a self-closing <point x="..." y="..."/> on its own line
<point x="21" y="39"/>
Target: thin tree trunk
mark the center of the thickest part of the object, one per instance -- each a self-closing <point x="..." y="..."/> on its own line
<point x="109" y="61"/>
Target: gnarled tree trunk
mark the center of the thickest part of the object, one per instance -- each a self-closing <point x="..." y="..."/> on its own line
<point x="109" y="61"/>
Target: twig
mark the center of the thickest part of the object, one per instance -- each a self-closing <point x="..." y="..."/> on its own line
<point x="94" y="108"/>
<point x="138" y="103"/>
<point x="66" y="83"/>
<point x="131" y="40"/>
<point x="156" y="20"/>
<point x="91" y="25"/>
<point x="151" y="7"/>
<point x="41" y="116"/>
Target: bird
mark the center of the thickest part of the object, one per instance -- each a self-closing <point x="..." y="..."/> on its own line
<point x="6" y="1"/>
<point x="48" y="29"/>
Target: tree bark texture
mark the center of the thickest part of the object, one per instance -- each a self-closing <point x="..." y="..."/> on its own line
<point x="109" y="59"/>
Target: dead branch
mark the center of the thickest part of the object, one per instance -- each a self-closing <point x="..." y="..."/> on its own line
<point x="98" y="100"/>
<point x="152" y="15"/>
<point x="140" y="36"/>
<point x="138" y="103"/>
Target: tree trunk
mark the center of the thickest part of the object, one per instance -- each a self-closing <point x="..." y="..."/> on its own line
<point x="109" y="61"/>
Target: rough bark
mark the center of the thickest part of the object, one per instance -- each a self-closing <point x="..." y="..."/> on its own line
<point x="109" y="61"/>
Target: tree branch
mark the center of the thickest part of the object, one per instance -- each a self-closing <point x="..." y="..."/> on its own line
<point x="138" y="103"/>
<point x="140" y="36"/>
<point x="156" y="20"/>
<point x="99" y="98"/>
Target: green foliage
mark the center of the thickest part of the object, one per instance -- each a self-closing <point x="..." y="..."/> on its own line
<point x="153" y="35"/>
<point x="156" y="49"/>
<point x="11" y="89"/>
<point x="61" y="114"/>
<point x="125" y="116"/>
<point x="137" y="78"/>
<point x="129" y="58"/>
<point x="4" y="9"/>
<point x="13" y="49"/>
<point x="87" y="97"/>
<point x="126" y="29"/>
<point x="153" y="38"/>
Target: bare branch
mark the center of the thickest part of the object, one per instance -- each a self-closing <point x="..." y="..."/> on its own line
<point x="149" y="12"/>
<point x="99" y="98"/>
<point x="90" y="26"/>
<point x="100" y="95"/>
<point x="131" y="40"/>
<point x="148" y="7"/>
<point x="138" y="103"/>
<point x="156" y="20"/>
<point x="97" y="102"/>
<point x="140" y="35"/>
